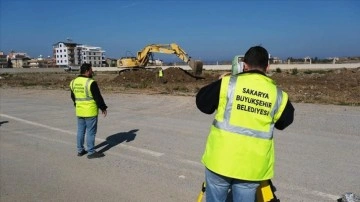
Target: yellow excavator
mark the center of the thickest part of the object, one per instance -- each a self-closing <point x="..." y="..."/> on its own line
<point x="143" y="57"/>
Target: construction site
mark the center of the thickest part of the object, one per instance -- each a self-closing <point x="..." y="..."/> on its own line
<point x="319" y="86"/>
<point x="154" y="136"/>
<point x="186" y="101"/>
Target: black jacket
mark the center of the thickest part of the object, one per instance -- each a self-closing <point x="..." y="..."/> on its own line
<point x="207" y="100"/>
<point x="95" y="91"/>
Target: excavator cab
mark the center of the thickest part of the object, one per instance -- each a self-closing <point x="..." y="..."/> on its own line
<point x="128" y="62"/>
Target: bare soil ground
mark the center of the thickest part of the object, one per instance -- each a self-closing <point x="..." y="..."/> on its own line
<point x="339" y="87"/>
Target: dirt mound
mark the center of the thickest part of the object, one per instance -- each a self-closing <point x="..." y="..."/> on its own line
<point x="341" y="86"/>
<point x="170" y="75"/>
<point x="174" y="81"/>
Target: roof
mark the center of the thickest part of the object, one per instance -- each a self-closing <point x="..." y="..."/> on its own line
<point x="66" y="43"/>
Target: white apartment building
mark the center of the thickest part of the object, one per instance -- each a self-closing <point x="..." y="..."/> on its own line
<point x="89" y="54"/>
<point x="73" y="54"/>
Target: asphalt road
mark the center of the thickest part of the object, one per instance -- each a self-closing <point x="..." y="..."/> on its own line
<point x="158" y="141"/>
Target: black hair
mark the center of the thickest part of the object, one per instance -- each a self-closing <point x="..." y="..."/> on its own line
<point x="257" y="57"/>
<point x="85" y="67"/>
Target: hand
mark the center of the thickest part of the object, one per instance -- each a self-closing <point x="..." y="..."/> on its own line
<point x="104" y="112"/>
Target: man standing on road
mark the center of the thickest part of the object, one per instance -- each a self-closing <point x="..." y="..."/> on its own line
<point x="239" y="152"/>
<point x="87" y="99"/>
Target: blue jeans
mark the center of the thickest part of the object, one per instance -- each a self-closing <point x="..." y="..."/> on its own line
<point x="86" y="125"/>
<point x="218" y="188"/>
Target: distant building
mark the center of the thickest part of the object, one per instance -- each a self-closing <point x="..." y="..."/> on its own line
<point x="156" y="62"/>
<point x="276" y="60"/>
<point x="73" y="54"/>
<point x="42" y="63"/>
<point x="64" y="53"/>
<point x="3" y="60"/>
<point x="18" y="60"/>
<point x="89" y="54"/>
<point x="13" y="55"/>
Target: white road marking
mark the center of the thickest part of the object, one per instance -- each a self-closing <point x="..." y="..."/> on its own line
<point x="42" y="137"/>
<point x="37" y="124"/>
<point x="194" y="163"/>
<point x="141" y="150"/>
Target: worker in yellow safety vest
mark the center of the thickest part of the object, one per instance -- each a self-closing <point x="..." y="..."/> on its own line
<point x="88" y="100"/>
<point x="239" y="152"/>
<point x="161" y="73"/>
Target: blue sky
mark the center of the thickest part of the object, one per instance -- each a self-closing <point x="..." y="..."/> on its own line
<point x="207" y="30"/>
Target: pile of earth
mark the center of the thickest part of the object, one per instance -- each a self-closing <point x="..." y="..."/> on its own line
<point x="340" y="86"/>
<point x="174" y="81"/>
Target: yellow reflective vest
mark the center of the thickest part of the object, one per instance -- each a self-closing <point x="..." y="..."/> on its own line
<point x="240" y="143"/>
<point x="85" y="104"/>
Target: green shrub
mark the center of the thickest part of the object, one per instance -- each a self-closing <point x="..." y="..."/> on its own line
<point x="294" y="71"/>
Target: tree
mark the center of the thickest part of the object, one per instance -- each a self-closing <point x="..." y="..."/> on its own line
<point x="9" y="63"/>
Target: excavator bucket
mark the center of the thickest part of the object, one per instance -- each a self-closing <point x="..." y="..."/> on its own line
<point x="196" y="66"/>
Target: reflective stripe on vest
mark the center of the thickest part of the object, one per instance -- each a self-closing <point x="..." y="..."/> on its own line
<point x="225" y="124"/>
